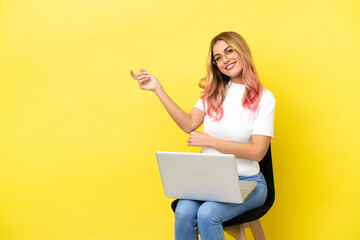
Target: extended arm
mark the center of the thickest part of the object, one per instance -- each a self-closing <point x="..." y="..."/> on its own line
<point x="187" y="122"/>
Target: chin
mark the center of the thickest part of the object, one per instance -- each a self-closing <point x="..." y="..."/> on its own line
<point x="233" y="74"/>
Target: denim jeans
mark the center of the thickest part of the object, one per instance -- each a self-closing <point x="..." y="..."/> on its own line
<point x="209" y="216"/>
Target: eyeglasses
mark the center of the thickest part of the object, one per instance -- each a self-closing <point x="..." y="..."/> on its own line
<point x="219" y="58"/>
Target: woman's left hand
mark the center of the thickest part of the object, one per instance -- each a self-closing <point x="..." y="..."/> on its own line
<point x="198" y="139"/>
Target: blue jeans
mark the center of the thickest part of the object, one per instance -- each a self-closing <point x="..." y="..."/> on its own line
<point x="209" y="216"/>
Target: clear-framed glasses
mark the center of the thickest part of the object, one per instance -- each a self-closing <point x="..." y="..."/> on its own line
<point x="219" y="58"/>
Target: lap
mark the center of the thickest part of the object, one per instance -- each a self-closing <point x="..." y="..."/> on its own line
<point x="223" y="211"/>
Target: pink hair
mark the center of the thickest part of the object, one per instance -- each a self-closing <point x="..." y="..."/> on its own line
<point x="215" y="82"/>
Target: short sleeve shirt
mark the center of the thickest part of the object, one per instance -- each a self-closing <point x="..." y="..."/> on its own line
<point x="239" y="124"/>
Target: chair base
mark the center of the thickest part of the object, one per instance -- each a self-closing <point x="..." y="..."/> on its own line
<point x="238" y="231"/>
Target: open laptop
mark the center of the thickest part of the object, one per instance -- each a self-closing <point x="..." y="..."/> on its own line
<point x="201" y="176"/>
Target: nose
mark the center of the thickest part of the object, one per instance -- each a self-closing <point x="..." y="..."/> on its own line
<point x="225" y="59"/>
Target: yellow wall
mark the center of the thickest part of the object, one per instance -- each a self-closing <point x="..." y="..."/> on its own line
<point x="77" y="136"/>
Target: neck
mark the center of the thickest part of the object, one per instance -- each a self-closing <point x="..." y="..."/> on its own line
<point x="237" y="80"/>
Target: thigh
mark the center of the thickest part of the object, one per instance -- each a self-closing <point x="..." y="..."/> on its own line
<point x="225" y="211"/>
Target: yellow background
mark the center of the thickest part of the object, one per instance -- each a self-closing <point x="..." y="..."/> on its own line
<point x="78" y="136"/>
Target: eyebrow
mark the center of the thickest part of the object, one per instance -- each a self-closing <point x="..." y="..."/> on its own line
<point x="223" y="51"/>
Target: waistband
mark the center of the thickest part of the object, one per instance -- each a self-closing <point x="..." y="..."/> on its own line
<point x="259" y="178"/>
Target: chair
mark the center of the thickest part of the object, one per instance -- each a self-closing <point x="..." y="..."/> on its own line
<point x="236" y="226"/>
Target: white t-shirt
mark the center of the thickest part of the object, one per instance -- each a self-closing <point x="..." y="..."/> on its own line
<point x="239" y="124"/>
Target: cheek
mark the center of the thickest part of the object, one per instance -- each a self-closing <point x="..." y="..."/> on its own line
<point x="242" y="64"/>
<point x="240" y="61"/>
<point x="222" y="70"/>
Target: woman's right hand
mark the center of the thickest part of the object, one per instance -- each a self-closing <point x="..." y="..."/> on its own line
<point x="187" y="122"/>
<point x="146" y="80"/>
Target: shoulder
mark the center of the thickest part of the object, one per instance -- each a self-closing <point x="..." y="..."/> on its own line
<point x="267" y="96"/>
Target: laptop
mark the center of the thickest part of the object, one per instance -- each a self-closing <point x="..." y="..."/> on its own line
<point x="201" y="176"/>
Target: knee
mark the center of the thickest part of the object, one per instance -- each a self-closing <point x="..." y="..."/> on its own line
<point x="185" y="213"/>
<point x="207" y="215"/>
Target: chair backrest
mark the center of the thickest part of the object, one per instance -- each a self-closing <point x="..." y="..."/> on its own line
<point x="267" y="170"/>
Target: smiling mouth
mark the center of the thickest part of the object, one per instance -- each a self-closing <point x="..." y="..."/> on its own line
<point x="230" y="66"/>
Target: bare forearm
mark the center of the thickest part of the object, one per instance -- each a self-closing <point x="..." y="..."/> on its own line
<point x="181" y="118"/>
<point x="240" y="150"/>
<point x="252" y="151"/>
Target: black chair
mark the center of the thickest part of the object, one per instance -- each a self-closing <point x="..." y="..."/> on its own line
<point x="251" y="218"/>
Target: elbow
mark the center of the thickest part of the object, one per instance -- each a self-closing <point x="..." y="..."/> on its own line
<point x="258" y="156"/>
<point x="187" y="130"/>
<point x="258" y="159"/>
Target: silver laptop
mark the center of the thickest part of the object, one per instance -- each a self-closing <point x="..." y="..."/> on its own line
<point x="201" y="176"/>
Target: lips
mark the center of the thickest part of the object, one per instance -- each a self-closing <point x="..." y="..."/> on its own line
<point x="230" y="66"/>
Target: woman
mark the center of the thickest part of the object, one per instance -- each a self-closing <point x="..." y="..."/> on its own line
<point x="237" y="114"/>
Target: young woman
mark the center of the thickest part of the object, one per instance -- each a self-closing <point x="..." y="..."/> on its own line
<point x="237" y="114"/>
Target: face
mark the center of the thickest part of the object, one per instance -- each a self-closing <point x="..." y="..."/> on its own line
<point x="229" y="62"/>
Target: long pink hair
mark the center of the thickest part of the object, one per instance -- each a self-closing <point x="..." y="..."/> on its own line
<point x="214" y="84"/>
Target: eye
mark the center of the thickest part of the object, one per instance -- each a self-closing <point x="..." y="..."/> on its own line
<point x="229" y="51"/>
<point x="217" y="58"/>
